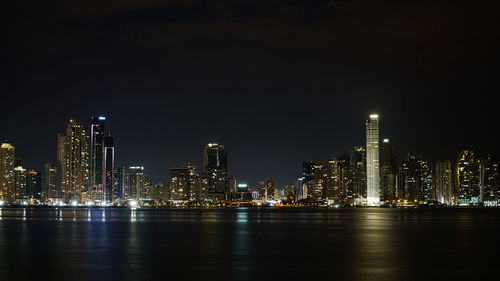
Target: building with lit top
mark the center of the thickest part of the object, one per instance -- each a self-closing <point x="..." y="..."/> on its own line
<point x="372" y="161"/>
<point x="7" y="176"/>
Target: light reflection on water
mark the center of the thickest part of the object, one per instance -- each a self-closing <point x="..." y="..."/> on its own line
<point x="248" y="243"/>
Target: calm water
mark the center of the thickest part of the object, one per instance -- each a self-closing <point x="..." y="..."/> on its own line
<point x="249" y="244"/>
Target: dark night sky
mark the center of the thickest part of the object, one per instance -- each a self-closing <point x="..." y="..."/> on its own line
<point x="277" y="82"/>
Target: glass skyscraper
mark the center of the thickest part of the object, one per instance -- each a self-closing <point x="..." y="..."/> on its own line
<point x="372" y="160"/>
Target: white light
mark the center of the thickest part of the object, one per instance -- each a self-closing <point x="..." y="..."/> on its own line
<point x="374" y="116"/>
<point x="132" y="203"/>
<point x="74" y="203"/>
<point x="386" y="140"/>
<point x="242" y="185"/>
<point x="2" y="202"/>
<point x="102" y="118"/>
<point x="89" y="203"/>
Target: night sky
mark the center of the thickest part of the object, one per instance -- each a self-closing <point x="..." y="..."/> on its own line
<point x="277" y="82"/>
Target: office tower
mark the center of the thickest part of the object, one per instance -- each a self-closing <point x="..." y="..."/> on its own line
<point x="491" y="188"/>
<point x="52" y="190"/>
<point x="289" y="191"/>
<point x="203" y="186"/>
<point x="372" y="161"/>
<point x="108" y="169"/>
<point x="427" y="191"/>
<point x="300" y="193"/>
<point x="7" y="177"/>
<point x="353" y="173"/>
<point x="333" y="190"/>
<point x="270" y="186"/>
<point x="215" y="166"/>
<point x="137" y="183"/>
<point x="97" y="156"/>
<point x="184" y="183"/>
<point x="388" y="172"/>
<point x="410" y="179"/>
<point x="443" y="181"/>
<point x="73" y="149"/>
<point x="119" y="175"/>
<point x="469" y="176"/>
<point x="20" y="182"/>
<point x="34" y="184"/>
<point x="320" y="181"/>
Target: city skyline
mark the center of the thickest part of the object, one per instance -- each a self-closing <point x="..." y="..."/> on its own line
<point x="85" y="172"/>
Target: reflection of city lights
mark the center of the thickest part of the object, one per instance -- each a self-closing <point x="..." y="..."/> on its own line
<point x="133" y="204"/>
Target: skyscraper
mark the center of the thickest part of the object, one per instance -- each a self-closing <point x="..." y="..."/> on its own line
<point x="469" y="175"/>
<point x="388" y="172"/>
<point x="215" y="167"/>
<point x="372" y="160"/>
<point x="20" y="182"/>
<point x="96" y="157"/>
<point x="443" y="182"/>
<point x="108" y="169"/>
<point x="53" y="185"/>
<point x="119" y="184"/>
<point x="491" y="189"/>
<point x="34" y="184"/>
<point x="7" y="176"/>
<point x="74" y="150"/>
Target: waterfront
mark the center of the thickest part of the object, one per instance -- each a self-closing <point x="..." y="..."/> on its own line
<point x="249" y="244"/>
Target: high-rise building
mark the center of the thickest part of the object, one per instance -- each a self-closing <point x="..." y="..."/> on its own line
<point x="491" y="194"/>
<point x="7" y="176"/>
<point x="300" y="193"/>
<point x="469" y="176"/>
<point x="372" y="160"/>
<point x="216" y="169"/>
<point x="289" y="191"/>
<point x="427" y="190"/>
<point x="443" y="182"/>
<point x="320" y="181"/>
<point x="108" y="169"/>
<point x="388" y="172"/>
<point x="96" y="156"/>
<point x="34" y="184"/>
<point x="333" y="192"/>
<point x="270" y="186"/>
<point x="409" y="180"/>
<point x="52" y="190"/>
<point x="136" y="183"/>
<point x="20" y="182"/>
<point x="73" y="149"/>
<point x="119" y="183"/>
<point x="353" y="173"/>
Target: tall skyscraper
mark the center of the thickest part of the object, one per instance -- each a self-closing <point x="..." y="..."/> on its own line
<point x="270" y="188"/>
<point x="74" y="149"/>
<point x="52" y="183"/>
<point x="353" y="173"/>
<point x="108" y="169"/>
<point x="443" y="182"/>
<point x="215" y="167"/>
<point x="333" y="191"/>
<point x="20" y="182"/>
<point x="184" y="183"/>
<point x="137" y="183"/>
<point x="34" y="184"/>
<point x="388" y="172"/>
<point x="96" y="157"/>
<point x="469" y="176"/>
<point x="372" y="160"/>
<point x="119" y="184"/>
<point x="491" y="194"/>
<point x="7" y="176"/>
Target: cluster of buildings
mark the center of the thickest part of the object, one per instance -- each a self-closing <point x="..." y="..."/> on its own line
<point x="373" y="176"/>
<point x="85" y="173"/>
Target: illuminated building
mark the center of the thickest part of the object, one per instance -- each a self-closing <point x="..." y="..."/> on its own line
<point x="469" y="176"/>
<point x="409" y="183"/>
<point x="119" y="175"/>
<point x="108" y="169"/>
<point x="289" y="191"/>
<point x="388" y="172"/>
<point x="20" y="182"/>
<point x="96" y="160"/>
<point x="333" y="190"/>
<point x="215" y="167"/>
<point x="427" y="191"/>
<point x="270" y="187"/>
<point x="34" y="184"/>
<point x="7" y="177"/>
<point x="179" y="183"/>
<point x="372" y="161"/>
<point x="491" y="182"/>
<point x="443" y="181"/>
<point x="300" y="193"/>
<point x="73" y="149"/>
<point x="52" y="185"/>
<point x="232" y="186"/>
<point x="352" y="170"/>
<point x="315" y="179"/>
<point x="137" y="183"/>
